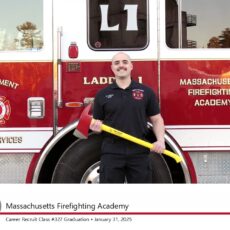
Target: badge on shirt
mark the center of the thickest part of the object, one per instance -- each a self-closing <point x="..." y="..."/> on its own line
<point x="138" y="94"/>
<point x="108" y="96"/>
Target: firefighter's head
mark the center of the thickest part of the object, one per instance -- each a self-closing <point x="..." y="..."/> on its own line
<point x="121" y="65"/>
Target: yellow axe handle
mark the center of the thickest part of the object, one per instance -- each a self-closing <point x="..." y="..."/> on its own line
<point x="138" y="141"/>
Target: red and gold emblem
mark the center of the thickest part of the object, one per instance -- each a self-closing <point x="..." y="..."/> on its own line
<point x="5" y="110"/>
<point x="138" y="94"/>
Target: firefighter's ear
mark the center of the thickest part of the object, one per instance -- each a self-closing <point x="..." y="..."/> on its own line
<point x="112" y="68"/>
<point x="131" y="66"/>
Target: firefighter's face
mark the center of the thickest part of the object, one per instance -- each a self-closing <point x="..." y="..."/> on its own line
<point x="121" y="65"/>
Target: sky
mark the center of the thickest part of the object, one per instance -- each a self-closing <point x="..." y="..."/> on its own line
<point x="17" y="13"/>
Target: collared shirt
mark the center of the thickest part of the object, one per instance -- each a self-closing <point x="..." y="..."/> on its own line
<point x="127" y="110"/>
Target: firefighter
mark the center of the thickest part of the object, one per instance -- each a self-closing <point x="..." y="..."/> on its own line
<point x="126" y="105"/>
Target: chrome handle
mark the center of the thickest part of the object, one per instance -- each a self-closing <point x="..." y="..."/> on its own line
<point x="59" y="69"/>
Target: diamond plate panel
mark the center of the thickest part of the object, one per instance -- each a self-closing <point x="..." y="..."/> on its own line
<point x="212" y="167"/>
<point x="14" y="167"/>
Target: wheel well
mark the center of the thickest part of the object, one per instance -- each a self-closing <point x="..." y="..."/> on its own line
<point x="54" y="154"/>
<point x="48" y="166"/>
<point x="174" y="168"/>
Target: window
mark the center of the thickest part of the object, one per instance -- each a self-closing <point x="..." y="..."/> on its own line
<point x="203" y="23"/>
<point x="117" y="25"/>
<point x="21" y="25"/>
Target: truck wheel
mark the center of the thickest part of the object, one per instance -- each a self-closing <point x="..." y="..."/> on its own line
<point x="81" y="161"/>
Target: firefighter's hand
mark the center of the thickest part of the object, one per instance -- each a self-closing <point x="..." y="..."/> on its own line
<point x="96" y="125"/>
<point x="158" y="147"/>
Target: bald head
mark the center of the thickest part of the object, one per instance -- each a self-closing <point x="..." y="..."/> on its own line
<point x="121" y="65"/>
<point x="121" y="54"/>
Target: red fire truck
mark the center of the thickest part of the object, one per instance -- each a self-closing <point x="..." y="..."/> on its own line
<point x="55" y="56"/>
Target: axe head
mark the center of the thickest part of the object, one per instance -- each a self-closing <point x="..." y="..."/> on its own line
<point x="82" y="129"/>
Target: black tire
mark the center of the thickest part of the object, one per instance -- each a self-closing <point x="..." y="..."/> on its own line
<point x="74" y="162"/>
<point x="84" y="155"/>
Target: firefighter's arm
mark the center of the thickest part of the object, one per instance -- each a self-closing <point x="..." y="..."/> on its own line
<point x="159" y="131"/>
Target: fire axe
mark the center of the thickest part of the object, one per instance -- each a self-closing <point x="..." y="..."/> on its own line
<point x="82" y="131"/>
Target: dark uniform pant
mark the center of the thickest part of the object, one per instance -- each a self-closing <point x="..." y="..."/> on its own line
<point x="130" y="168"/>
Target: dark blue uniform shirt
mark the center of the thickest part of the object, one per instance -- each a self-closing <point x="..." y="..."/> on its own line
<point x="126" y="110"/>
